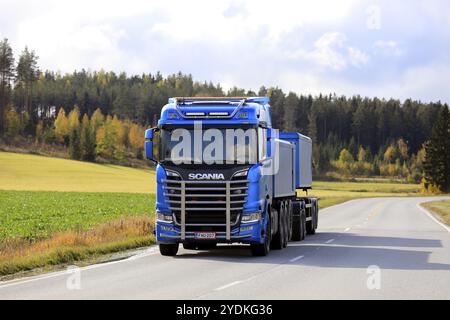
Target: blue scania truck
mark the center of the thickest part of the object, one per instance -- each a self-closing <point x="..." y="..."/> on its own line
<point x="242" y="190"/>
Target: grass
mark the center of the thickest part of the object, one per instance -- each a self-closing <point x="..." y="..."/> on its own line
<point x="35" y="215"/>
<point x="441" y="209"/>
<point x="17" y="254"/>
<point x="332" y="193"/>
<point x="39" y="173"/>
<point x="45" y="228"/>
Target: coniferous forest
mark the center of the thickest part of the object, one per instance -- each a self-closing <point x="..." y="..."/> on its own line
<point x="101" y="116"/>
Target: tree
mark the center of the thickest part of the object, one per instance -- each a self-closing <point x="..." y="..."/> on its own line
<point x="74" y="134"/>
<point x="390" y="154"/>
<point x="40" y="129"/>
<point x="27" y="73"/>
<point x="6" y="75"/>
<point x="290" y="112"/>
<point x="74" y="143"/>
<point x="97" y="120"/>
<point x="362" y="154"/>
<point x="312" y="127"/>
<point x="437" y="153"/>
<point x="106" y="139"/>
<point x="74" y="119"/>
<point x="345" y="156"/>
<point x="13" y="123"/>
<point x="87" y="140"/>
<point x="403" y="149"/>
<point x="136" y="138"/>
<point x="61" y="126"/>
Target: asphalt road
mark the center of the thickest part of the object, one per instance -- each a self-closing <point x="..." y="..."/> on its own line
<point x="384" y="248"/>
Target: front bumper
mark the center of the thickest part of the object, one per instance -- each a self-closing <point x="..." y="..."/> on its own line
<point x="245" y="233"/>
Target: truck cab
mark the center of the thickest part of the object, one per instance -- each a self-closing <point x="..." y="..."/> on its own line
<point x="224" y="175"/>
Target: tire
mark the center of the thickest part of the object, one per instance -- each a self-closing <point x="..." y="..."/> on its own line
<point x="277" y="241"/>
<point x="189" y="246"/>
<point x="262" y="249"/>
<point x="311" y="223"/>
<point x="316" y="220"/>
<point x="290" y="219"/>
<point x="303" y="224"/>
<point x="168" y="249"/>
<point x="296" y="229"/>
<point x="286" y="225"/>
<point x="297" y="232"/>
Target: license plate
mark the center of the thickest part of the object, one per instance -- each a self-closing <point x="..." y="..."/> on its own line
<point x="205" y="235"/>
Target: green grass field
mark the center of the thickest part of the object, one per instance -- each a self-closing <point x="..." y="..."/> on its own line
<point x="36" y="215"/>
<point x="38" y="173"/>
<point x="440" y="208"/>
<point x="331" y="193"/>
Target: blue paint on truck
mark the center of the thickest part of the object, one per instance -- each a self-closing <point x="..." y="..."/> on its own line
<point x="200" y="204"/>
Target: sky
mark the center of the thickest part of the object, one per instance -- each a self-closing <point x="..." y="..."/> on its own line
<point x="389" y="49"/>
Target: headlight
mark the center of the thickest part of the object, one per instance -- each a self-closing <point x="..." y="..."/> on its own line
<point x="164" y="217"/>
<point x="242" y="173"/>
<point x="172" y="173"/>
<point x="251" y="217"/>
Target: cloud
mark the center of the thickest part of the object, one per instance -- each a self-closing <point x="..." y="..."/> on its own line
<point x="235" y="9"/>
<point x="332" y="51"/>
<point x="306" y="46"/>
<point x="388" y="47"/>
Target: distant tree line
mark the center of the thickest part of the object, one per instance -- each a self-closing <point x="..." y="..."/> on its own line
<point x="352" y="135"/>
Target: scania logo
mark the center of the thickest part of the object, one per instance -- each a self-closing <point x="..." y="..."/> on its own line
<point x="206" y="176"/>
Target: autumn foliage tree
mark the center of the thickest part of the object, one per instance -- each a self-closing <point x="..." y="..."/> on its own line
<point x="437" y="154"/>
<point x="62" y="127"/>
<point x="74" y="135"/>
<point x="87" y="140"/>
<point x="13" y="123"/>
<point x="136" y="138"/>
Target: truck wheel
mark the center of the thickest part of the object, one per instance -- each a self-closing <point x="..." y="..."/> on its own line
<point x="316" y="221"/>
<point x="310" y="224"/>
<point x="303" y="224"/>
<point x="189" y="246"/>
<point x="290" y="219"/>
<point x="297" y="232"/>
<point x="168" y="249"/>
<point x="286" y="224"/>
<point x="262" y="249"/>
<point x="277" y="241"/>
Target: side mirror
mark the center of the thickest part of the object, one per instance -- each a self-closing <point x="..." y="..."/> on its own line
<point x="149" y="133"/>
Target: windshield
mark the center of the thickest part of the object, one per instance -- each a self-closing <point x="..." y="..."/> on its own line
<point x="209" y="145"/>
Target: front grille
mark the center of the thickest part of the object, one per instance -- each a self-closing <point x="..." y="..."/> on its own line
<point x="205" y="202"/>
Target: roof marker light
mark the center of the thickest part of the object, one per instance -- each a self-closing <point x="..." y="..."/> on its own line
<point x="218" y="113"/>
<point x="193" y="114"/>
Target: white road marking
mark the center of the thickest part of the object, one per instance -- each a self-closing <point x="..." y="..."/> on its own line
<point x="432" y="217"/>
<point x="347" y="229"/>
<point x="10" y="283"/>
<point x="146" y="253"/>
<point x="329" y="241"/>
<point x="338" y="205"/>
<point x="296" y="258"/>
<point x="228" y="285"/>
